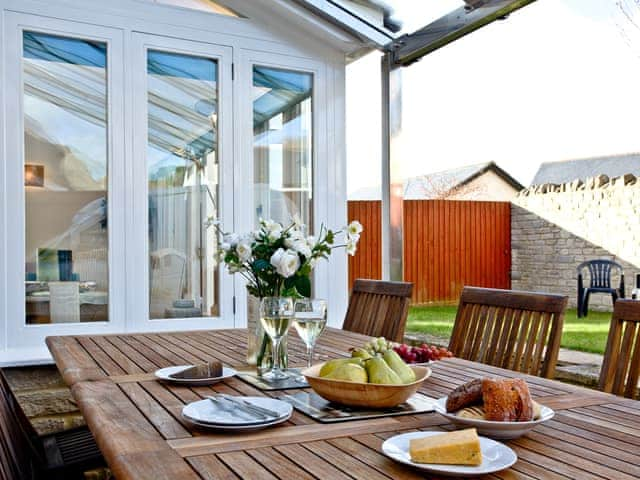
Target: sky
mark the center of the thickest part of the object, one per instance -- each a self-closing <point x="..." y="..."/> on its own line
<point x="557" y="80"/>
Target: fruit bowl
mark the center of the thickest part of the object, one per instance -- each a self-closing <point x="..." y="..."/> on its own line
<point x="370" y="395"/>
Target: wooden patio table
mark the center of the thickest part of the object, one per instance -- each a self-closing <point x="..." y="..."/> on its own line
<point x="137" y="421"/>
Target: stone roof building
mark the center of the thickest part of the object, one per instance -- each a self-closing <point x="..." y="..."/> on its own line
<point x="481" y="181"/>
<point x="567" y="171"/>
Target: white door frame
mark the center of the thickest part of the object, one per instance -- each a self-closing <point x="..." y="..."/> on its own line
<point x="31" y="337"/>
<point x="137" y="234"/>
<point x="244" y="188"/>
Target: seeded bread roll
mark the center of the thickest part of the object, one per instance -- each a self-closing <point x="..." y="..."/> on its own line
<point x="507" y="400"/>
<point x="465" y="395"/>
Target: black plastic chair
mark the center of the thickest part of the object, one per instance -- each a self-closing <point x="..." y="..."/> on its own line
<point x="24" y="455"/>
<point x="600" y="273"/>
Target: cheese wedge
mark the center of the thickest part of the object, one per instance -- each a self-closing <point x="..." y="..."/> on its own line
<point x="461" y="447"/>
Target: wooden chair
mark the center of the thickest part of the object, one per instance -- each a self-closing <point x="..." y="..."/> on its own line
<point x="378" y="308"/>
<point x="26" y="456"/>
<point x="518" y="331"/>
<point x="621" y="364"/>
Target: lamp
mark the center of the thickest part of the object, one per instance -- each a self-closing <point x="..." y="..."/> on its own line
<point x="33" y="175"/>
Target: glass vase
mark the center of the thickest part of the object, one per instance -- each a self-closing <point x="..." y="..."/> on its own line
<point x="259" y="343"/>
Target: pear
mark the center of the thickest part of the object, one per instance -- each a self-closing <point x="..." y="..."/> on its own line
<point x="331" y="365"/>
<point x="350" y="372"/>
<point x="396" y="363"/>
<point x="360" y="353"/>
<point x="381" y="373"/>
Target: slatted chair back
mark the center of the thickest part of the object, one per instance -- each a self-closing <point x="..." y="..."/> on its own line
<point x="19" y="453"/>
<point x="378" y="308"/>
<point x="518" y="331"/>
<point x="600" y="272"/>
<point x="621" y="363"/>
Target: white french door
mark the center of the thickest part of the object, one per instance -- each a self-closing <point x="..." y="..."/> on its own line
<point x="64" y="175"/>
<point x="118" y="158"/>
<point x="181" y="183"/>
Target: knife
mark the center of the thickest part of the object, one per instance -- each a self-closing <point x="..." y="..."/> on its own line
<point x="241" y="412"/>
<point x="241" y="402"/>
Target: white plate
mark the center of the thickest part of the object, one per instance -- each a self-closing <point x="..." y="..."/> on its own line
<point x="225" y="414"/>
<point x="501" y="430"/>
<point x="235" y="428"/>
<point x="495" y="456"/>
<point x="163" y="374"/>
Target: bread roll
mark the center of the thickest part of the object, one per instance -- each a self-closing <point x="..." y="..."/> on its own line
<point x="507" y="400"/>
<point x="465" y="395"/>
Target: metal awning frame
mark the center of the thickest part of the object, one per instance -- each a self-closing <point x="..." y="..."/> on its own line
<point x="402" y="52"/>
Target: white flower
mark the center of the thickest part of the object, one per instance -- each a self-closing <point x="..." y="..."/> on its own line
<point x="354" y="228"/>
<point x="301" y="246"/>
<point x="351" y="247"/>
<point x="355" y="238"/>
<point x="286" y="262"/>
<point x="272" y="229"/>
<point x="231" y="238"/>
<point x="296" y="234"/>
<point x="225" y="246"/>
<point x="244" y="251"/>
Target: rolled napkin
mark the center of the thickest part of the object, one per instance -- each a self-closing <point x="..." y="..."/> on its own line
<point x="197" y="372"/>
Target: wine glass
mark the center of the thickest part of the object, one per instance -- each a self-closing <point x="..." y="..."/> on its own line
<point x="276" y="314"/>
<point x="309" y="320"/>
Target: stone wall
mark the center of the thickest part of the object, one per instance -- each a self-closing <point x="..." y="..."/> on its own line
<point x="44" y="397"/>
<point x="556" y="227"/>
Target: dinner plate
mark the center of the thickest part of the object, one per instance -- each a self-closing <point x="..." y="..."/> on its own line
<point x="163" y="374"/>
<point x="223" y="413"/>
<point x="500" y="430"/>
<point x="495" y="456"/>
<point x="236" y="428"/>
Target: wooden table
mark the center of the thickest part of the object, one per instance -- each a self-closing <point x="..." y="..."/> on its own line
<point x="137" y="423"/>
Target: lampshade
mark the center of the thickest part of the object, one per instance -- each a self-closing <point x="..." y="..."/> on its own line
<point x="34" y="175"/>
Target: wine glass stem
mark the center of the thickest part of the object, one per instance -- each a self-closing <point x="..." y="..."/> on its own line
<point x="309" y="355"/>
<point x="276" y="354"/>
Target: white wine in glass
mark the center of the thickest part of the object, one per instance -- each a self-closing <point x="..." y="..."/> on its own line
<point x="276" y="326"/>
<point x="276" y="314"/>
<point x="310" y="321"/>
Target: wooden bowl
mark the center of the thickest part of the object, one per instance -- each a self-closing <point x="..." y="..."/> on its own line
<point x="369" y="395"/>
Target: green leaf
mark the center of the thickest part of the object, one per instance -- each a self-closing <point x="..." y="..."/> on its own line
<point x="260" y="265"/>
<point x="303" y="285"/>
<point x="290" y="292"/>
<point x="330" y="237"/>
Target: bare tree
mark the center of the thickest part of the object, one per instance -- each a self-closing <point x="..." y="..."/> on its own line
<point x="441" y="188"/>
<point x="627" y="18"/>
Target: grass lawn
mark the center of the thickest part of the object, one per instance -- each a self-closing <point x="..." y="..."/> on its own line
<point x="585" y="334"/>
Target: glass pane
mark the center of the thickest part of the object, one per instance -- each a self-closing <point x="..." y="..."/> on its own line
<point x="182" y="158"/>
<point x="282" y="144"/>
<point x="65" y="178"/>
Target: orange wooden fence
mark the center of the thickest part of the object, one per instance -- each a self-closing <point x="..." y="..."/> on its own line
<point x="447" y="244"/>
<point x="367" y="262"/>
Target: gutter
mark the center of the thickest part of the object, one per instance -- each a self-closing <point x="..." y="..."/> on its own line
<point x="347" y="20"/>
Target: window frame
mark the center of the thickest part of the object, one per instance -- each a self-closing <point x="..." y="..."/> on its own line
<point x="19" y="334"/>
